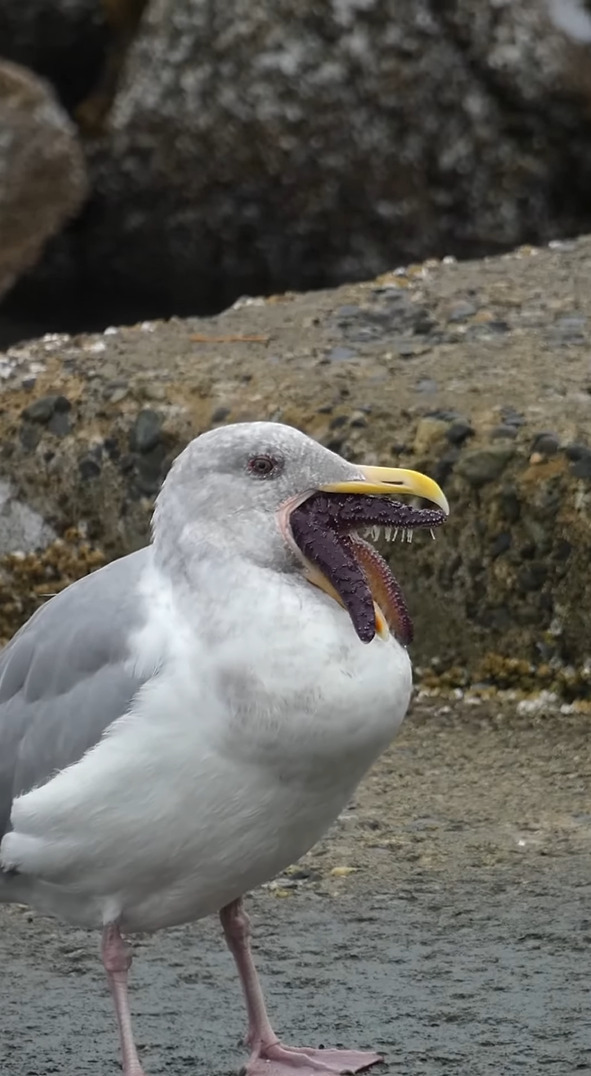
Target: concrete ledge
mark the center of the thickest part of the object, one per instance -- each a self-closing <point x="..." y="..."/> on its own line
<point x="476" y="372"/>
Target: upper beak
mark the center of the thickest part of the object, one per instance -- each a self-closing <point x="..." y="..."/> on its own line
<point x="382" y="481"/>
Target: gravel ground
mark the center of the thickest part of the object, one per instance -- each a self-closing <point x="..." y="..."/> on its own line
<point x="445" y="921"/>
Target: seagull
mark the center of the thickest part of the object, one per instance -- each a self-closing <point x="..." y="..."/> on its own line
<point x="183" y="724"/>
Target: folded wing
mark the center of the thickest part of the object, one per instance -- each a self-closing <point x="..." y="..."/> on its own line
<point x="67" y="675"/>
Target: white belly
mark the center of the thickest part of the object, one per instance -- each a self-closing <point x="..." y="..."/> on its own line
<point x="232" y="764"/>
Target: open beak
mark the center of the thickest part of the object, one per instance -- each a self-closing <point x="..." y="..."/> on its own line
<point x="347" y="567"/>
<point x="389" y="481"/>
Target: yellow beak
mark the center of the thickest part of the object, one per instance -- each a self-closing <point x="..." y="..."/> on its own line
<point x="382" y="481"/>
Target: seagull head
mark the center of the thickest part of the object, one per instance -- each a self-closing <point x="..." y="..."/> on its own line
<point x="277" y="498"/>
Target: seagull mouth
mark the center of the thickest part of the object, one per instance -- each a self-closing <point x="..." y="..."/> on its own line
<point x="329" y="529"/>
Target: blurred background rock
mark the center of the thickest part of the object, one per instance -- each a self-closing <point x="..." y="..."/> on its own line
<point x="42" y="172"/>
<point x="180" y="153"/>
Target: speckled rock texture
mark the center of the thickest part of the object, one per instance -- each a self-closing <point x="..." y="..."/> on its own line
<point x="256" y="147"/>
<point x="478" y="373"/>
<point x="42" y="170"/>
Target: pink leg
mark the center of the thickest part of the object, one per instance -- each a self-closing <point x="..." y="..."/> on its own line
<point x="117" y="960"/>
<point x="269" y="1056"/>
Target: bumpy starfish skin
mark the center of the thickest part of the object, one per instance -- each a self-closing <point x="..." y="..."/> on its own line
<point x="324" y="527"/>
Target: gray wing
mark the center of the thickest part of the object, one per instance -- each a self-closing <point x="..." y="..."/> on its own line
<point x="64" y="678"/>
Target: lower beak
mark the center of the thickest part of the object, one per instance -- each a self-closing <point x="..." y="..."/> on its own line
<point x="389" y="481"/>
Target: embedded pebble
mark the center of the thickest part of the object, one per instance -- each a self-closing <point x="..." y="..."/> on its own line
<point x="484" y="465"/>
<point x="146" y="431"/>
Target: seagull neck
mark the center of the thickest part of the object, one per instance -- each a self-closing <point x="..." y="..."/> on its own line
<point x="211" y="579"/>
<point x="235" y="546"/>
<point x="185" y="560"/>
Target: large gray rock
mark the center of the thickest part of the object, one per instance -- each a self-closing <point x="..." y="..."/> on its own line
<point x="477" y="372"/>
<point x="262" y="146"/>
<point x="253" y="147"/>
<point x="42" y="171"/>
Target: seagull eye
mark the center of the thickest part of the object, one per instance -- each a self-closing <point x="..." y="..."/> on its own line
<point x="262" y="466"/>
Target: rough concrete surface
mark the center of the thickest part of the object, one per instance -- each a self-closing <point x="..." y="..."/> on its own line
<point x="476" y="372"/>
<point x="445" y="921"/>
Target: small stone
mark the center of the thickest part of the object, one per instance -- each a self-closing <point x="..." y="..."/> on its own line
<point x="150" y="470"/>
<point x="546" y="444"/>
<point x="510" y="505"/>
<point x="445" y="415"/>
<point x="459" y="432"/>
<point x="500" y="432"/>
<point x="117" y="390"/>
<point x="512" y="417"/>
<point x="571" y="326"/>
<point x="30" y="435"/>
<point x="89" y="467"/>
<point x="220" y="414"/>
<point x="146" y="432"/>
<point x="445" y="465"/>
<point x="154" y="392"/>
<point x="562" y="550"/>
<point x="429" y="432"/>
<point x="406" y="349"/>
<point x="42" y="409"/>
<point x="59" y="424"/>
<point x="461" y="311"/>
<point x="484" y="464"/>
<point x="576" y="452"/>
<point x="302" y="874"/>
<point x="423" y="322"/>
<point x="111" y="447"/>
<point x="501" y="544"/>
<point x="358" y="419"/>
<point x="582" y="467"/>
<point x="338" y="421"/>
<point x="127" y="463"/>
<point x="342" y="872"/>
<point x="532" y="576"/>
<point x="341" y="354"/>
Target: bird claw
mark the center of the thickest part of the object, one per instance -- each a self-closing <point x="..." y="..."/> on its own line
<point x="279" y="1060"/>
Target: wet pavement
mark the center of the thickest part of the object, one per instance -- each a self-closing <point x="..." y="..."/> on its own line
<point x="445" y="921"/>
